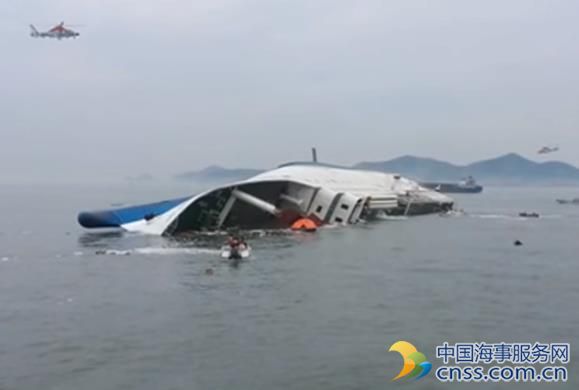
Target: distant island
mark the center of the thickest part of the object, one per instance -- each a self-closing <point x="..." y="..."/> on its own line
<point x="509" y="169"/>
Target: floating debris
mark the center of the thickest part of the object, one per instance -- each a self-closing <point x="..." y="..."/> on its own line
<point x="112" y="252"/>
<point x="525" y="214"/>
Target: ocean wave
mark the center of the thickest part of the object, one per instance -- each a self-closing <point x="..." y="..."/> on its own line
<point x="175" y="251"/>
<point x="515" y="217"/>
<point x="497" y="216"/>
<point x="164" y="251"/>
<point x="383" y="217"/>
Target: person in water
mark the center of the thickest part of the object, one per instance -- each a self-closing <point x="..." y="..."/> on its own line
<point x="236" y="242"/>
<point x="236" y="245"/>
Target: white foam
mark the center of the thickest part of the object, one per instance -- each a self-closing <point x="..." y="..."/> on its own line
<point x="496" y="216"/>
<point x="383" y="217"/>
<point x="174" y="251"/>
<point x="163" y="251"/>
<point x="331" y="226"/>
<point x="453" y="213"/>
<point x="5" y="258"/>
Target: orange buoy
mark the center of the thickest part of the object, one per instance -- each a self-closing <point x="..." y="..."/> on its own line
<point x="304" y="224"/>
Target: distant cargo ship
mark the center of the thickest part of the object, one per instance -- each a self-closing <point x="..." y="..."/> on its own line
<point x="465" y="186"/>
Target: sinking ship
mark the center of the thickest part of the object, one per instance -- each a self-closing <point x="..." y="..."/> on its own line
<point x="275" y="199"/>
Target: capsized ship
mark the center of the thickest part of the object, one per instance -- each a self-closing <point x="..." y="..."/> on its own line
<point x="275" y="199"/>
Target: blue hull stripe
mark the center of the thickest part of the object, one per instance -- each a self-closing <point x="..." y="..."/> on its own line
<point x="118" y="217"/>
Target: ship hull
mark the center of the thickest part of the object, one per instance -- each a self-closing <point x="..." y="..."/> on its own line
<point x="276" y="199"/>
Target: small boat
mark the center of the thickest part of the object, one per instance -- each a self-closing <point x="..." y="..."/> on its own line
<point x="241" y="253"/>
<point x="568" y="201"/>
<point x="529" y="215"/>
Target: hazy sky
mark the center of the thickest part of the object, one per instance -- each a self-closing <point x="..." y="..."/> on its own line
<point x="167" y="86"/>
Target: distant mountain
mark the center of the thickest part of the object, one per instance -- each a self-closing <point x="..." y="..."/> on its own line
<point x="508" y="169"/>
<point x="416" y="167"/>
<point x="519" y="169"/>
<point x="216" y="173"/>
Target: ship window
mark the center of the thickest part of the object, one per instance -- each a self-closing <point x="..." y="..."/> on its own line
<point x="345" y="206"/>
<point x="319" y="209"/>
<point x="339" y="220"/>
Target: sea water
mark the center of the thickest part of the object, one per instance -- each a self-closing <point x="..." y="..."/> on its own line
<point x="89" y="310"/>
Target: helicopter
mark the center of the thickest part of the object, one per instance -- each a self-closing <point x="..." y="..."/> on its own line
<point x="547" y="150"/>
<point x="59" y="32"/>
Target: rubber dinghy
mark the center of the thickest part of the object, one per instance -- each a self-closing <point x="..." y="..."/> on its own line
<point x="276" y="199"/>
